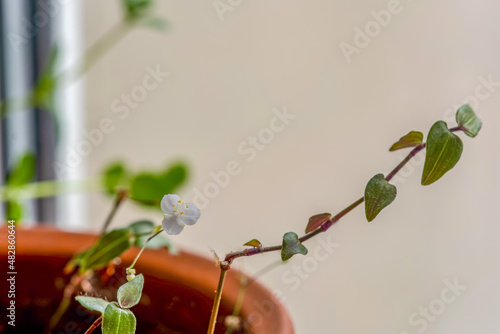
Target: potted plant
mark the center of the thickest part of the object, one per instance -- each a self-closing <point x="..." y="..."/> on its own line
<point x="131" y="279"/>
<point x="167" y="305"/>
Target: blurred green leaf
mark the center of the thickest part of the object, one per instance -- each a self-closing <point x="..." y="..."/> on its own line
<point x="143" y="229"/>
<point x="317" y="220"/>
<point x="149" y="188"/>
<point x="14" y="211"/>
<point x="253" y="243"/>
<point x="291" y="246"/>
<point x="118" y="321"/>
<point x="412" y="139"/>
<point x="443" y="152"/>
<point x="468" y="120"/>
<point x="130" y="293"/>
<point x="92" y="303"/>
<point x="136" y="8"/>
<point x="108" y="247"/>
<point x="116" y="176"/>
<point x="378" y="194"/>
<point x="23" y="171"/>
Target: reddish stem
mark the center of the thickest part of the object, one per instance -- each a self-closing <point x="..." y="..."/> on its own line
<point x="94" y="325"/>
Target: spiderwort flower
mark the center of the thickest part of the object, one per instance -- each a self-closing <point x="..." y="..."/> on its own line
<point x="178" y="214"/>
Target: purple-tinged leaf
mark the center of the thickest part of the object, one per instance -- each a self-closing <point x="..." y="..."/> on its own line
<point x="317" y="220"/>
<point x="412" y="139"/>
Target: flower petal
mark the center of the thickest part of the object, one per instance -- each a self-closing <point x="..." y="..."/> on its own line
<point x="190" y="215"/>
<point x="172" y="225"/>
<point x="168" y="201"/>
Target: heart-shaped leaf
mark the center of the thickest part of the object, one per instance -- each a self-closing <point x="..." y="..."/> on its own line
<point x="317" y="220"/>
<point x="118" y="321"/>
<point x="443" y="152"/>
<point x="467" y="119"/>
<point x="92" y="303"/>
<point x="412" y="139"/>
<point x="253" y="243"/>
<point x="130" y="293"/>
<point x="291" y="246"/>
<point x="108" y="247"/>
<point x="378" y="194"/>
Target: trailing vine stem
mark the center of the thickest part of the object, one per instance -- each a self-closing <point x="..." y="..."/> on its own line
<point x="226" y="264"/>
<point x="326" y="225"/>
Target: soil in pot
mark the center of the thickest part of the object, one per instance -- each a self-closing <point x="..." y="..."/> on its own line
<point x="166" y="307"/>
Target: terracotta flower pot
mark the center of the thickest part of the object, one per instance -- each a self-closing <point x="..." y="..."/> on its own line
<point x="177" y="296"/>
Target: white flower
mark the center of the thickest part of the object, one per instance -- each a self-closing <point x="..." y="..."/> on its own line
<point x="178" y="214"/>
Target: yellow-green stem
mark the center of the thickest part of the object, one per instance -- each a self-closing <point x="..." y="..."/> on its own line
<point x="224" y="267"/>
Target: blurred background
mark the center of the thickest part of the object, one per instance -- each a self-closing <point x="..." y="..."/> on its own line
<point x="276" y="111"/>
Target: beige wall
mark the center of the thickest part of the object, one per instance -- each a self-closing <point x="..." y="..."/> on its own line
<point x="227" y="77"/>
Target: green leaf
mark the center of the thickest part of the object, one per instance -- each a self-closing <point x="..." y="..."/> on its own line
<point x="412" y="139"/>
<point x="443" y="152"/>
<point x="136" y="8"/>
<point x="253" y="243"/>
<point x="467" y="119"/>
<point x="130" y="293"/>
<point x="14" y="211"/>
<point x="23" y="171"/>
<point x="115" y="175"/>
<point x="118" y="321"/>
<point x="92" y="303"/>
<point x="149" y="188"/>
<point x="108" y="247"/>
<point x="378" y="194"/>
<point x="317" y="220"/>
<point x="291" y="246"/>
<point x="143" y="229"/>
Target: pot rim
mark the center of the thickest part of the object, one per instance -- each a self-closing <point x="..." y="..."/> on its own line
<point x="261" y="309"/>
